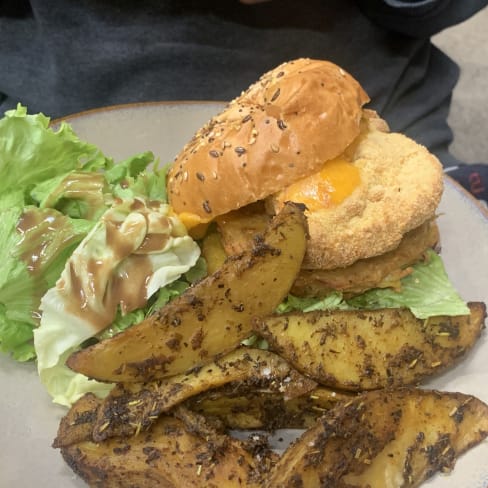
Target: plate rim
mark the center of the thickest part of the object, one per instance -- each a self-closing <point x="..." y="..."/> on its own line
<point x="129" y="105"/>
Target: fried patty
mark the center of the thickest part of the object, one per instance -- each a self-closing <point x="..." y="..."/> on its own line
<point x="381" y="271"/>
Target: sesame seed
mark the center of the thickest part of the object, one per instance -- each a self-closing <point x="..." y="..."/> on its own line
<point x="214" y="153"/>
<point x="281" y="124"/>
<point x="275" y="95"/>
<point x="185" y="176"/>
<point x="247" y="118"/>
<point x="206" y="206"/>
<point x="275" y="148"/>
<point x="200" y="176"/>
<point x="239" y="150"/>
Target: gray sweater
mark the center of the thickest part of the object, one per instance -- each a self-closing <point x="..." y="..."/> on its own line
<point x="64" y="56"/>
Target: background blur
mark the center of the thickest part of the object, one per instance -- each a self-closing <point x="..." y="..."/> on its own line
<point x="467" y="44"/>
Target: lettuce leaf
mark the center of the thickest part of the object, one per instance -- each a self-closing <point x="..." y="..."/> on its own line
<point x="53" y="189"/>
<point x="31" y="261"/>
<point x="31" y="152"/>
<point x="332" y="301"/>
<point x="427" y="292"/>
<point x="34" y="242"/>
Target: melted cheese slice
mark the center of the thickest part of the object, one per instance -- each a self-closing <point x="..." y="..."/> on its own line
<point x="328" y="187"/>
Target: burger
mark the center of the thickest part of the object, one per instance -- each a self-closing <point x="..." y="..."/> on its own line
<point x="303" y="133"/>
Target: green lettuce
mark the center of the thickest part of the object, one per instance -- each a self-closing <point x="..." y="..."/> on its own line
<point x="427" y="292"/>
<point x="31" y="152"/>
<point x="54" y="188"/>
<point x="35" y="241"/>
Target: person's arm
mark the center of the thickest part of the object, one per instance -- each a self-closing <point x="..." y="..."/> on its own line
<point x="419" y="18"/>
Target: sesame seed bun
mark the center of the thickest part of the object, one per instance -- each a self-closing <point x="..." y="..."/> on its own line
<point x="282" y="128"/>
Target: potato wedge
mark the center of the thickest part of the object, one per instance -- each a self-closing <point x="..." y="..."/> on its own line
<point x="77" y="425"/>
<point x="210" y="318"/>
<point x="383" y="439"/>
<point x="244" y="410"/>
<point x="132" y="407"/>
<point x="368" y="349"/>
<point x="167" y="456"/>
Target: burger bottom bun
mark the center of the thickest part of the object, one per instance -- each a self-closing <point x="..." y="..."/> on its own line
<point x="401" y="184"/>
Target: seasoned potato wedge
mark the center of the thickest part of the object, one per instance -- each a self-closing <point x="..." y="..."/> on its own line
<point x="167" y="456"/>
<point x="210" y="318"/>
<point x="132" y="407"/>
<point x="264" y="410"/>
<point x="361" y="350"/>
<point x="383" y="439"/>
<point x="77" y="425"/>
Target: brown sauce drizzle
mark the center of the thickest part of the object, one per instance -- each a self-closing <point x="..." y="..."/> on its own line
<point x="33" y="226"/>
<point x="126" y="285"/>
<point x="97" y="298"/>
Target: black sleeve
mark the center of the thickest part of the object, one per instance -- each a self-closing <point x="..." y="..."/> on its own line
<point x="14" y="8"/>
<point x="419" y="18"/>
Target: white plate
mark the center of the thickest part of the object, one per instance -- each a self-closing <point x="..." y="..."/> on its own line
<point x="29" y="420"/>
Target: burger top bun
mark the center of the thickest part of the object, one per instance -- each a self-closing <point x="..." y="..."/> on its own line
<point x="282" y="128"/>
